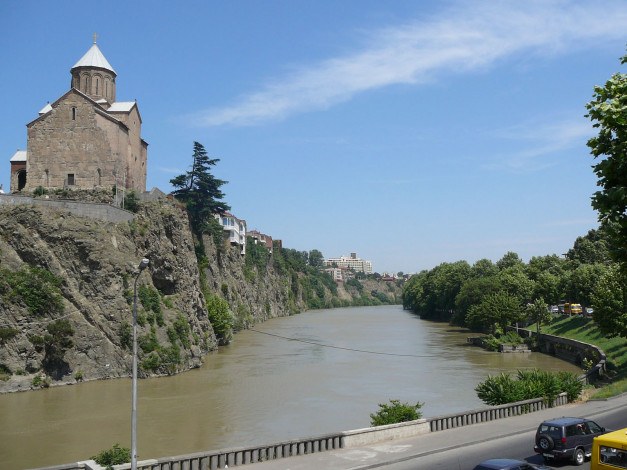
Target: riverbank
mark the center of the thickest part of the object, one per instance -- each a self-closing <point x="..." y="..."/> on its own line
<point x="583" y="329"/>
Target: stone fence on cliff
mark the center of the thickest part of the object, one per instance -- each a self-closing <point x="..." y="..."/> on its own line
<point x="95" y="210"/>
<point x="226" y="458"/>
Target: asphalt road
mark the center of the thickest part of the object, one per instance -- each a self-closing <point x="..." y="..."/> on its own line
<point x="518" y="446"/>
<point x="460" y="448"/>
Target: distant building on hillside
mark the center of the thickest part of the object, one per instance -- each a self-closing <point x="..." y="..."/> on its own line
<point x="235" y="229"/>
<point x="356" y="264"/>
<point x="340" y="274"/>
<point x="262" y="238"/>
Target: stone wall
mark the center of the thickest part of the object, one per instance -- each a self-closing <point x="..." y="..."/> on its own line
<point x="100" y="211"/>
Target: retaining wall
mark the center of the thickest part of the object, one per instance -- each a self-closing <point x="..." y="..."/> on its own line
<point x="213" y="460"/>
<point x="87" y="209"/>
<point x="572" y="351"/>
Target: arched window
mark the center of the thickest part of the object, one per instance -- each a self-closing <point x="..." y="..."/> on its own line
<point x="97" y="86"/>
<point x="21" y="179"/>
<point x="99" y="177"/>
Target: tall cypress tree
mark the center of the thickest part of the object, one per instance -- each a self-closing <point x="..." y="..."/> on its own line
<point x="200" y="190"/>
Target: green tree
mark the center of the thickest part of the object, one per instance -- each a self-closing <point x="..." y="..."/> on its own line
<point x="220" y="316"/>
<point x="610" y="303"/>
<point x="200" y="190"/>
<point x="315" y="258"/>
<point x="607" y="111"/>
<point x="495" y="310"/>
<point x="540" y="314"/>
<point x="509" y="260"/>
<point x="472" y="293"/>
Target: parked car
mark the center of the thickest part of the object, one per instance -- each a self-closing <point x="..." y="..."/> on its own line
<point x="567" y="438"/>
<point x="572" y="309"/>
<point x="507" y="464"/>
<point x="555" y="309"/>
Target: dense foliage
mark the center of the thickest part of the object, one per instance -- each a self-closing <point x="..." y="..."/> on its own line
<point x="501" y="389"/>
<point x="607" y="113"/>
<point x="395" y="412"/>
<point x="490" y="296"/>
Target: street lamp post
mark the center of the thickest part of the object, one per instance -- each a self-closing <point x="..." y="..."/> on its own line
<point x="142" y="265"/>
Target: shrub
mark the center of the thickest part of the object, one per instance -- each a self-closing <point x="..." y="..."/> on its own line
<point x="36" y="287"/>
<point x="220" y="315"/>
<point x="126" y="335"/>
<point x="7" y="334"/>
<point x="115" y="456"/>
<point x="395" y="412"/>
<point x="149" y="298"/>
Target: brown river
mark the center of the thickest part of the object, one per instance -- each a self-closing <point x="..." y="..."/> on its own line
<point x="315" y="373"/>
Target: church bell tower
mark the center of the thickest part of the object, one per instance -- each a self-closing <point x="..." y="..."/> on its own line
<point x="94" y="76"/>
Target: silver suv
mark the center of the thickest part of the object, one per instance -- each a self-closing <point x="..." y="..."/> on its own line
<point x="567" y="438"/>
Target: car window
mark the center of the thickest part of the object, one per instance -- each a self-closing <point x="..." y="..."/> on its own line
<point x="573" y="430"/>
<point x="615" y="457"/>
<point x="553" y="431"/>
<point x="594" y="427"/>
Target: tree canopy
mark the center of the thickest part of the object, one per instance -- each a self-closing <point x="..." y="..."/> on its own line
<point x="608" y="113"/>
<point x="200" y="190"/>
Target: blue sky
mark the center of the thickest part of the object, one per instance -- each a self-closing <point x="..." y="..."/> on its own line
<point x="411" y="133"/>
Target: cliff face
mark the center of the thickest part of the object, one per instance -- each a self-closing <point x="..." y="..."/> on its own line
<point x="96" y="263"/>
<point x="93" y="266"/>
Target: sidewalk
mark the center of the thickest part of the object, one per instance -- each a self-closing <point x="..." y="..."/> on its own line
<point x="389" y="452"/>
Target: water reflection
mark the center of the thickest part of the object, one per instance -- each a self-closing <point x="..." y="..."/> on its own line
<point x="263" y="388"/>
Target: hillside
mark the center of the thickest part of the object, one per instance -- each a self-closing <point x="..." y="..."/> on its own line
<point x="66" y="291"/>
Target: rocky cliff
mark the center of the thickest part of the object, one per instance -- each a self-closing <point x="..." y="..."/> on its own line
<point x="66" y="294"/>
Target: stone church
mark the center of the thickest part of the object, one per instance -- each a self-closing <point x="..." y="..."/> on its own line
<point x="85" y="139"/>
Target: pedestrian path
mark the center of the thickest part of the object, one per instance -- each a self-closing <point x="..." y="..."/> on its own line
<point x="389" y="452"/>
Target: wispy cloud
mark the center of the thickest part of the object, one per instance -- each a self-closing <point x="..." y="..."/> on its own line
<point x="461" y="39"/>
<point x="539" y="140"/>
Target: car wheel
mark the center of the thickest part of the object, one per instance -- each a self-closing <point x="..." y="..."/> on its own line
<point x="545" y="443"/>
<point x="578" y="457"/>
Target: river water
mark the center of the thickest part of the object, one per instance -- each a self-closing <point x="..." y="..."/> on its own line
<point x="314" y="373"/>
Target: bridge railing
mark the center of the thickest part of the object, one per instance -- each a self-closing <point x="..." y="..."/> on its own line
<point x="482" y="415"/>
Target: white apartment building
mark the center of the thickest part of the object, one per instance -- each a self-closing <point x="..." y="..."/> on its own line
<point x="235" y="228"/>
<point x="352" y="262"/>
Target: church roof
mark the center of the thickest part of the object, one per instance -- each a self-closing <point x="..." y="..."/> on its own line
<point x="121" y="106"/>
<point x="94" y="58"/>
<point x="20" y="156"/>
<point x="45" y="109"/>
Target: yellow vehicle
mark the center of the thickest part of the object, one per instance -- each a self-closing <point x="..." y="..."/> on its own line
<point x="572" y="309"/>
<point x="609" y="451"/>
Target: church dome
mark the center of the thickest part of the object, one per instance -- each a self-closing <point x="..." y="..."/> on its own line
<point x="94" y="76"/>
<point x="94" y="58"/>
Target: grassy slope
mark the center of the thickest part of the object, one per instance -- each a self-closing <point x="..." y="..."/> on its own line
<point x="584" y="329"/>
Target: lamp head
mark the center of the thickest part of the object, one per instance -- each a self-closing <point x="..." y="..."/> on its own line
<point x="143" y="264"/>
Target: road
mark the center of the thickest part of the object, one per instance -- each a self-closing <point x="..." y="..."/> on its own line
<point x="518" y="446"/>
<point x="460" y="448"/>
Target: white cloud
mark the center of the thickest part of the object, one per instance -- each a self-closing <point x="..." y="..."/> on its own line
<point x="461" y="39"/>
